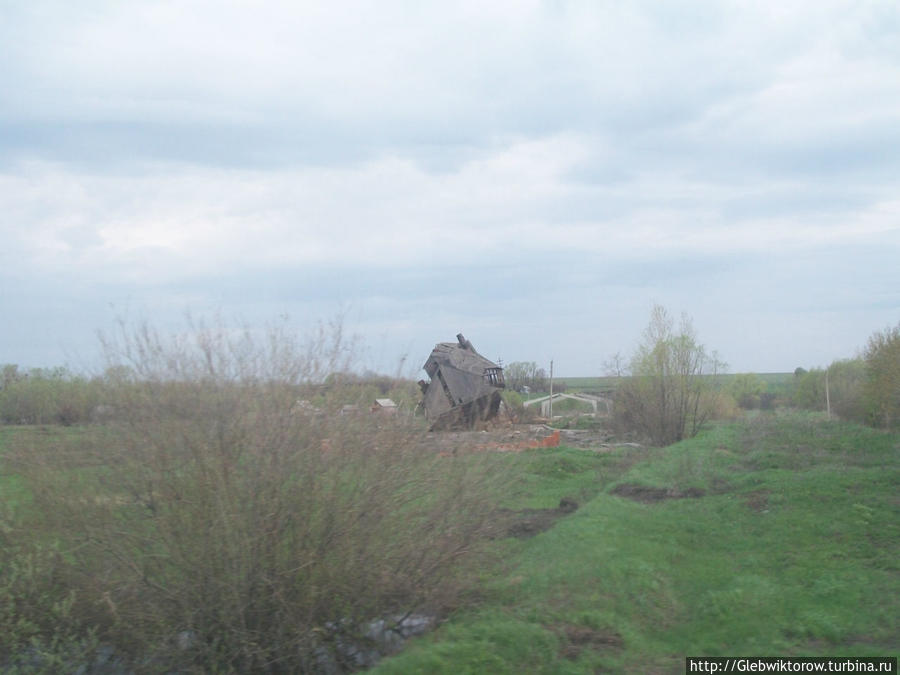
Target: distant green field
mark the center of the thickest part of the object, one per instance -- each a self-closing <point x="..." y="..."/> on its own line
<point x="777" y="535"/>
<point x="590" y="384"/>
<point x="776" y="383"/>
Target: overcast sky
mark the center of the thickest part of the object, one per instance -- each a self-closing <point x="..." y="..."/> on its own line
<point x="536" y="175"/>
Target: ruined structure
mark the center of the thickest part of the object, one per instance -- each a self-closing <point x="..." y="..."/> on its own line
<point x="464" y="389"/>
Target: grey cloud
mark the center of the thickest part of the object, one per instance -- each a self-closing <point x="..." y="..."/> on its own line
<point x="119" y="146"/>
<point x="802" y="201"/>
<point x="696" y="122"/>
<point x="644" y="97"/>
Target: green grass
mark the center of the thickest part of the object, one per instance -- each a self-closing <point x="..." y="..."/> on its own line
<point x="776" y="383"/>
<point x="12" y="492"/>
<point x="546" y="476"/>
<point x="788" y="545"/>
<point x="595" y="385"/>
<point x="791" y="550"/>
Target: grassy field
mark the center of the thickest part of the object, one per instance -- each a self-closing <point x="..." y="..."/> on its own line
<point x="597" y="385"/>
<point x="775" y="535"/>
<point x="776" y="383"/>
<point x="12" y="492"/>
<point x="779" y="535"/>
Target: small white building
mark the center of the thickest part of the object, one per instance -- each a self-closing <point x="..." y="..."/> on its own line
<point x="384" y="406"/>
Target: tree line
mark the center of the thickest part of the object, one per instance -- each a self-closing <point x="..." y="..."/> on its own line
<point x="60" y="396"/>
<point x="47" y="396"/>
<point x="667" y="392"/>
<point x="672" y="389"/>
<point x="865" y="388"/>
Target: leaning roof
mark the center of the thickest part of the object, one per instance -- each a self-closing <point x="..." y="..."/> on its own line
<point x="456" y="356"/>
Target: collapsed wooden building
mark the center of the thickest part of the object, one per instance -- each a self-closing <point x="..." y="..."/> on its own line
<point x="464" y="389"/>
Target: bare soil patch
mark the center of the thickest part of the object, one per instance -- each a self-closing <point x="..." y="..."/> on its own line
<point x="578" y="638"/>
<point x="757" y="500"/>
<point x="516" y="437"/>
<point x="649" y="495"/>
<point x="526" y="523"/>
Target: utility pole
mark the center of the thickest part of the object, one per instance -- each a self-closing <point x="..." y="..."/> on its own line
<point x="551" y="390"/>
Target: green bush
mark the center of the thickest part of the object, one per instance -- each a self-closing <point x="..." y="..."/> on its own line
<point x="668" y="396"/>
<point x="47" y="396"/>
<point x="40" y="629"/>
<point x="842" y="386"/>
<point x="809" y="389"/>
<point x="882" y="388"/>
<point x="747" y="390"/>
<point x="846" y="386"/>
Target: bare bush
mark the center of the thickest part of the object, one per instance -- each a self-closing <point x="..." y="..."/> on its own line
<point x="214" y="515"/>
<point x="521" y="374"/>
<point x="667" y="398"/>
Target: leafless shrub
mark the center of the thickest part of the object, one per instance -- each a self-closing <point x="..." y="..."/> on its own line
<point x="668" y="396"/>
<point x="210" y="510"/>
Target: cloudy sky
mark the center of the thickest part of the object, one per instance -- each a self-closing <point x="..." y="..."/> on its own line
<point x="536" y="175"/>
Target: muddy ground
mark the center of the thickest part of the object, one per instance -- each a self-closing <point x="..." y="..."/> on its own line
<point x="506" y="437"/>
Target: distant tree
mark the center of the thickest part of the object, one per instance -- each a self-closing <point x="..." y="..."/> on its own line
<point x="809" y="390"/>
<point x="747" y="389"/>
<point x="667" y="398"/>
<point x="846" y="387"/>
<point x="44" y="396"/>
<point x="882" y="357"/>
<point x="615" y="365"/>
<point x="9" y="374"/>
<point x="515" y="374"/>
<point x="119" y="374"/>
<point x="519" y="374"/>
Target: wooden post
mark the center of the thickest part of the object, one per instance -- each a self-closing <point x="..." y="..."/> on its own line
<point x="551" y="390"/>
<point x="827" y="396"/>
